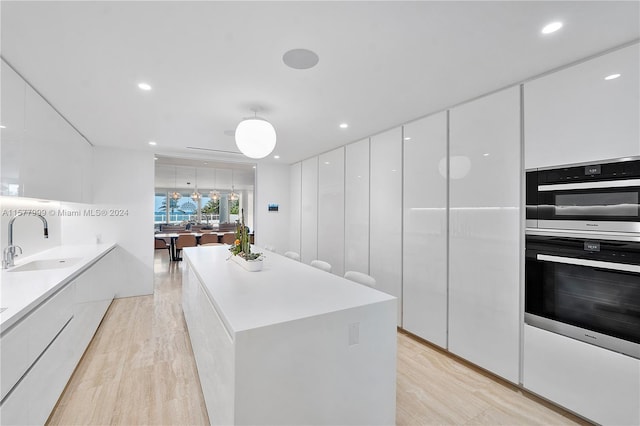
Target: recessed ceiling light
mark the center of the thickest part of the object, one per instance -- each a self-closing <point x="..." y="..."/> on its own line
<point x="254" y="167"/>
<point x="552" y="27"/>
<point x="144" y="86"/>
<point x="3" y="127"/>
<point x="152" y="143"/>
<point x="393" y="170"/>
<point x="300" y="59"/>
<point x="407" y="138"/>
<point x="155" y="158"/>
<point x="343" y="125"/>
<point x="276" y="156"/>
<point x="486" y="154"/>
<point x="326" y="162"/>
<point x="612" y="77"/>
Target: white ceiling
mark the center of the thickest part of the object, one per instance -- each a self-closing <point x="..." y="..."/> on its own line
<point x="381" y="63"/>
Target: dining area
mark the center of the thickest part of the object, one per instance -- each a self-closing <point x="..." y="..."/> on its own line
<point x="175" y="241"/>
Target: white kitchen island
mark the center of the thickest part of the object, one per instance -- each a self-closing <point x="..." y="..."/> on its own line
<point x="290" y="344"/>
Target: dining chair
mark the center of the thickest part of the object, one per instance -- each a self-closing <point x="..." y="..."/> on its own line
<point x="321" y="264"/>
<point x="208" y="238"/>
<point x="160" y="243"/>
<point x="229" y="238"/>
<point x="292" y="255"/>
<point x="184" y="241"/>
<point x="361" y="278"/>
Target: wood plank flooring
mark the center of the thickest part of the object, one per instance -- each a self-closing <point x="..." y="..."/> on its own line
<point x="139" y="370"/>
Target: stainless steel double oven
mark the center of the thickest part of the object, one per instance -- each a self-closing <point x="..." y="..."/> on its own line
<point x="582" y="259"/>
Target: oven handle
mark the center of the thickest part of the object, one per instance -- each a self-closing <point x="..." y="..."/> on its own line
<point x="590" y="263"/>
<point x="626" y="183"/>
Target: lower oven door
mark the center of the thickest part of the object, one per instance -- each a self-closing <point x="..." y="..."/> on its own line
<point x="590" y="300"/>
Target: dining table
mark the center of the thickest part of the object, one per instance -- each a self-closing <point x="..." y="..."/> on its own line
<point x="173" y="236"/>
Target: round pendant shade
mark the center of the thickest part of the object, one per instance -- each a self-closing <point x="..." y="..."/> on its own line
<point x="255" y="137"/>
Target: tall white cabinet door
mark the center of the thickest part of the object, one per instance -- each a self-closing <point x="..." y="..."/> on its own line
<point x="295" y="201"/>
<point x="356" y="183"/>
<point x="575" y="115"/>
<point x="49" y="142"/>
<point x="424" y="279"/>
<point x="331" y="209"/>
<point x="309" y="222"/>
<point x="484" y="288"/>
<point x="12" y="93"/>
<point x="385" y="252"/>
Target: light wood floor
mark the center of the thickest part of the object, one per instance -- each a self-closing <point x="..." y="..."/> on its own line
<point x="139" y="370"/>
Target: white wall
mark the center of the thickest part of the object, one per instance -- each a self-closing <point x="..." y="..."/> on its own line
<point x="272" y="187"/>
<point x="123" y="187"/>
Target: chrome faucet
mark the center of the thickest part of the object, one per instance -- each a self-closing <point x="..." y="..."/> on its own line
<point x="10" y="252"/>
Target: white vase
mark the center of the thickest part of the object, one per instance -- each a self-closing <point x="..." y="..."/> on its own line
<point x="249" y="265"/>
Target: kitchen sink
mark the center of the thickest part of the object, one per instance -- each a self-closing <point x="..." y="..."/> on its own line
<point x="44" y="264"/>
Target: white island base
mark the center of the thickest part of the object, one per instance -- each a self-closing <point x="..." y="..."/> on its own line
<point x="290" y="344"/>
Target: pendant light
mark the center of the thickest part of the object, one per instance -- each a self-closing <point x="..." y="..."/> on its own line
<point x="196" y="195"/>
<point x="255" y="137"/>
<point x="214" y="195"/>
<point x="233" y="196"/>
<point x="175" y="195"/>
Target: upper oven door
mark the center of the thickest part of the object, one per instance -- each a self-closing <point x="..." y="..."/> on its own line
<point x="604" y="197"/>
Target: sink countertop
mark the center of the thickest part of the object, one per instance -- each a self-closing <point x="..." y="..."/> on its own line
<point x="20" y="292"/>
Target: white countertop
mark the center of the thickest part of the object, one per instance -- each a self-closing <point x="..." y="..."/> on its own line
<point x="284" y="290"/>
<point x="20" y="292"/>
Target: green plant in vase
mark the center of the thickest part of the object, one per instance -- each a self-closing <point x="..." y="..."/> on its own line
<point x="242" y="244"/>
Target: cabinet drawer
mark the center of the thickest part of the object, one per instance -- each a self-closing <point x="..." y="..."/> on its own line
<point x="13" y="349"/>
<point x="25" y="342"/>
<point x="48" y="319"/>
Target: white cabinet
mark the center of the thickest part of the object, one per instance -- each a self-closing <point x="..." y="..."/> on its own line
<point x="484" y="261"/>
<point x="424" y="250"/>
<point x="27" y="340"/>
<point x="35" y="360"/>
<point x="295" y="199"/>
<point x="51" y="165"/>
<point x="40" y="353"/>
<point x="95" y="289"/>
<point x="385" y="247"/>
<point x="356" y="205"/>
<point x="309" y="221"/>
<point x="599" y="384"/>
<point x="43" y="156"/>
<point x="331" y="213"/>
<point x="575" y="115"/>
<point x="12" y="108"/>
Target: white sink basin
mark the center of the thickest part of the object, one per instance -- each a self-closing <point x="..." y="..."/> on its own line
<point x="44" y="264"/>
